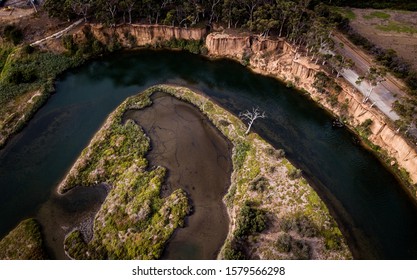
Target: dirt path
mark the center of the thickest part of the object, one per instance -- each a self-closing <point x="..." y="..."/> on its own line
<point x="57" y="34"/>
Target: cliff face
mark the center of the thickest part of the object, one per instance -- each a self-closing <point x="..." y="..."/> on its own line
<point x="277" y="58"/>
<point x="140" y="35"/>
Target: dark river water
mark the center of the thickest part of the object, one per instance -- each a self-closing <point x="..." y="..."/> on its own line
<point x="376" y="216"/>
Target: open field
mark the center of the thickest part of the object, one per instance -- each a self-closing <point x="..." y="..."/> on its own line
<point x="388" y="29"/>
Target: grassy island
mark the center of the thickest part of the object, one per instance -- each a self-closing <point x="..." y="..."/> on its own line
<point x="274" y="213"/>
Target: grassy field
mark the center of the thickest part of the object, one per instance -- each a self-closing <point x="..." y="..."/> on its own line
<point x="389" y="29"/>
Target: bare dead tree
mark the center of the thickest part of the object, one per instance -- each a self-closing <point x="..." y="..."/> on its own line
<point x="251" y="116"/>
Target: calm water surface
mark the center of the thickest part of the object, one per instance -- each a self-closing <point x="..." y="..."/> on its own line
<point x="375" y="215"/>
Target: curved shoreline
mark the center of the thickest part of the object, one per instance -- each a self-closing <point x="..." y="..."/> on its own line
<point x="259" y="172"/>
<point x="275" y="58"/>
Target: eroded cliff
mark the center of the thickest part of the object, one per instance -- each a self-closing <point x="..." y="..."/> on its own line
<point x="278" y="59"/>
<point x="130" y="36"/>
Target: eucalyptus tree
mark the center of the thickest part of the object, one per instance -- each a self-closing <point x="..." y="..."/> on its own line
<point x="82" y="7"/>
<point x="128" y="6"/>
<point x="233" y="13"/>
<point x="250" y="6"/>
<point x="214" y="13"/>
<point x="374" y="76"/>
<point x="265" y="18"/>
<point x="339" y="63"/>
<point x="284" y="9"/>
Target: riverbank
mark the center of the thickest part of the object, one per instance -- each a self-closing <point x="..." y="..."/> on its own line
<point x="274" y="213"/>
<point x="277" y="58"/>
<point x="23" y="243"/>
<point x="325" y="96"/>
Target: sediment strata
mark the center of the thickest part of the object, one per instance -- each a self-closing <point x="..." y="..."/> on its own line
<point x="277" y="58"/>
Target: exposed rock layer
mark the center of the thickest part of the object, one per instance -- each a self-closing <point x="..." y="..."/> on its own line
<point x="276" y="58"/>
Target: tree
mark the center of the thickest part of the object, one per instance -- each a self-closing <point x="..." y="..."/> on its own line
<point x="213" y="4"/>
<point x="81" y="8"/>
<point x="339" y="63"/>
<point x="374" y="77"/>
<point x="285" y="12"/>
<point x="251" y="116"/>
<point x="128" y="6"/>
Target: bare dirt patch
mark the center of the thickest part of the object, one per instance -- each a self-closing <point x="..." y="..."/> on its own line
<point x="389" y="29"/>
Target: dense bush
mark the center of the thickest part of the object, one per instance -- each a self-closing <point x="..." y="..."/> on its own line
<point x="13" y="34"/>
<point x="192" y="46"/>
<point x="259" y="184"/>
<point x="29" y="71"/>
<point x="240" y="153"/>
<point x="250" y="221"/>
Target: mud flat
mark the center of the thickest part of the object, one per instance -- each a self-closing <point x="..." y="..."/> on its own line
<point x="198" y="159"/>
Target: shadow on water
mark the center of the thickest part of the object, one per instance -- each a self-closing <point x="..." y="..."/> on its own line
<point x="198" y="160"/>
<point x="376" y="215"/>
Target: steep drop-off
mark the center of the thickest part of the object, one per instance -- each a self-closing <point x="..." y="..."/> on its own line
<point x="279" y="59"/>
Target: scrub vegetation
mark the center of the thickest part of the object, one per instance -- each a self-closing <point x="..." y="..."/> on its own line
<point x="26" y="81"/>
<point x="23" y="243"/>
<point x="134" y="222"/>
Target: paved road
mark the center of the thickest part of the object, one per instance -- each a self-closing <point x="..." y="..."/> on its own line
<point x="383" y="95"/>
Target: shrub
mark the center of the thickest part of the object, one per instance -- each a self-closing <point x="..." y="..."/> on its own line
<point x="301" y="250"/>
<point x="13" y="34"/>
<point x="294" y="173"/>
<point x="250" y="220"/>
<point x="69" y="44"/>
<point x="234" y="251"/>
<point x="239" y="156"/>
<point x="259" y="184"/>
<point x="283" y="243"/>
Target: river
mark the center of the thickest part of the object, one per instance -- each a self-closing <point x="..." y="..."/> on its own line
<point x="377" y="217"/>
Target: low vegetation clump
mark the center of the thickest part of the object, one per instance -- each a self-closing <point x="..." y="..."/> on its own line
<point x="192" y="46"/>
<point x="364" y="129"/>
<point x="23" y="243"/>
<point x="251" y="220"/>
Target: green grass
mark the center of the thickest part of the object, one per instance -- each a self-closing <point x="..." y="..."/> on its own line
<point x="393" y="26"/>
<point x="24" y="72"/>
<point x="346" y="12"/>
<point x="377" y="14"/>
